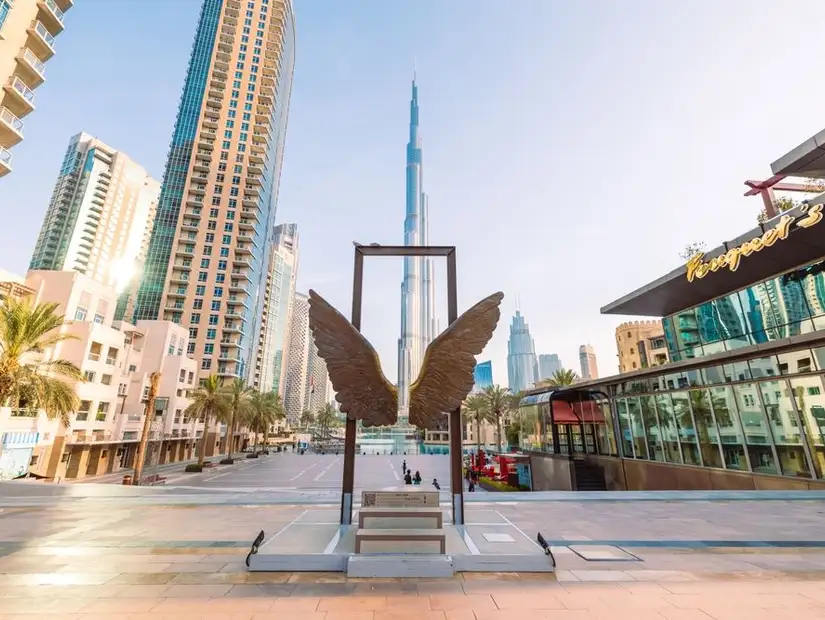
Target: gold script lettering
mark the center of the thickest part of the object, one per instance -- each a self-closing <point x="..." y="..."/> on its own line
<point x="696" y="267"/>
<point x="814" y="216"/>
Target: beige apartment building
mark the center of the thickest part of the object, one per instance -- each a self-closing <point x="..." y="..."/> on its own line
<point x="208" y="256"/>
<point x="100" y="218"/>
<point x="116" y="359"/>
<point x="641" y="344"/>
<point x="27" y="40"/>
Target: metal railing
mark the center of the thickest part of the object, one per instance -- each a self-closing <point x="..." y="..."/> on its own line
<point x="41" y="30"/>
<point x="5" y="157"/>
<point x="8" y="118"/>
<point x="30" y="57"/>
<point x="55" y="10"/>
<point x="24" y="91"/>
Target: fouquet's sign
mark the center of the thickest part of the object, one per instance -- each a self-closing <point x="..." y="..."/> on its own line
<point x="698" y="267"/>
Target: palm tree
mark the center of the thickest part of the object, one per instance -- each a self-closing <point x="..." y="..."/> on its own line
<point x="148" y="416"/>
<point x="238" y="396"/>
<point x="306" y="419"/>
<point x="263" y="410"/>
<point x="278" y="410"/>
<point x="327" y="417"/>
<point x="475" y="409"/>
<point x="208" y="403"/>
<point x="26" y="379"/>
<point x="562" y="378"/>
<point x="498" y="399"/>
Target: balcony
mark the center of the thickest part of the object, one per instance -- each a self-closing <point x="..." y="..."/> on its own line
<point x="191" y="224"/>
<point x="51" y="16"/>
<point x="21" y="101"/>
<point x="206" y="142"/>
<point x="30" y="68"/>
<point x="40" y="40"/>
<point x="209" y="121"/>
<point x="5" y="162"/>
<point x="11" y="128"/>
<point x="241" y="262"/>
<point x="214" y="102"/>
<point x="204" y="156"/>
<point x="245" y="225"/>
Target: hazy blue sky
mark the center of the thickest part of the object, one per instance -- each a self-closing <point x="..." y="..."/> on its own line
<point x="571" y="148"/>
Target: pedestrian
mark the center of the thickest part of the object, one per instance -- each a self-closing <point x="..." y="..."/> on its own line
<point x="436" y="485"/>
<point x="404" y="466"/>
<point x="472" y="487"/>
<point x="407" y="478"/>
<point x="417" y="478"/>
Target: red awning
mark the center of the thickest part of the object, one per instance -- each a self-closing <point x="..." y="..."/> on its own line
<point x="586" y="412"/>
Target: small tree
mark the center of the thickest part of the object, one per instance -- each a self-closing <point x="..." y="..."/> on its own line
<point x="476" y="409"/>
<point x="237" y="394"/>
<point x="781" y="205"/>
<point x="208" y="403"/>
<point x="26" y="379"/>
<point x="692" y="249"/>
<point x="498" y="405"/>
<point x="562" y="378"/>
<point x="148" y="417"/>
<point x="307" y="419"/>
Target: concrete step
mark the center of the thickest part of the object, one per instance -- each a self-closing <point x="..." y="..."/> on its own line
<point x="426" y="566"/>
<point x="401" y="541"/>
<point x="400" y="517"/>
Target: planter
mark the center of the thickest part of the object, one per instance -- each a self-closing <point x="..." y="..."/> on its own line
<point x="252" y="456"/>
<point x="226" y="461"/>
<point x="193" y="468"/>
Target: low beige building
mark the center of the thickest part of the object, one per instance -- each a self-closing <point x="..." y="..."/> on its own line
<point x="640" y="344"/>
<point x="116" y="359"/>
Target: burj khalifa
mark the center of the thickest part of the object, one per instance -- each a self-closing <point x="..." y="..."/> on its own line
<point x="418" y="322"/>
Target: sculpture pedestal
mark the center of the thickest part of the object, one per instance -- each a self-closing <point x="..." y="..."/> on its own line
<point x="315" y="542"/>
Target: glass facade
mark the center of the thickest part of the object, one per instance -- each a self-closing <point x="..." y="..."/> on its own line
<point x="765" y="415"/>
<point x="178" y="163"/>
<point x="787" y="305"/>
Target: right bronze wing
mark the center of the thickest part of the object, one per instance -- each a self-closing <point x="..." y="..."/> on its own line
<point x="353" y="366"/>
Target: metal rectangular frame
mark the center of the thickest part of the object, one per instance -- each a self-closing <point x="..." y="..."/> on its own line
<point x="456" y="481"/>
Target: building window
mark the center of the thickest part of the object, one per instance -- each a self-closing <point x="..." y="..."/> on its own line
<point x="102" y="412"/>
<point x="206" y="364"/>
<point x="106" y="379"/>
<point x="211" y="334"/>
<point x="89" y="376"/>
<point x="5" y="9"/>
<point x="83" y="410"/>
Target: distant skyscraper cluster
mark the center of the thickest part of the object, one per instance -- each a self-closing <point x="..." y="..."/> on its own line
<point x="418" y="322"/>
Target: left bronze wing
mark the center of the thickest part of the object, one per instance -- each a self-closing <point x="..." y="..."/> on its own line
<point x="446" y="375"/>
<point x="353" y="366"/>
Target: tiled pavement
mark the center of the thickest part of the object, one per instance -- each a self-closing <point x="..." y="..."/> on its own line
<point x="93" y="553"/>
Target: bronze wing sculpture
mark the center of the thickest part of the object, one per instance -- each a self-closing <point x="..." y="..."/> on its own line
<point x="353" y="366"/>
<point x="446" y="375"/>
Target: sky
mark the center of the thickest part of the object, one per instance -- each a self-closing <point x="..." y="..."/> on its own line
<point x="571" y="149"/>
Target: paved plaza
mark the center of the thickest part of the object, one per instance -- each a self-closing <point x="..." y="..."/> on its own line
<point x="87" y="551"/>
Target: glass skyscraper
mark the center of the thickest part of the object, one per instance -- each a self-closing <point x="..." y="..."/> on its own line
<point x="522" y="365"/>
<point x="418" y="323"/>
<point x="548" y="365"/>
<point x="273" y="339"/>
<point x="209" y="252"/>
<point x="483" y="375"/>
